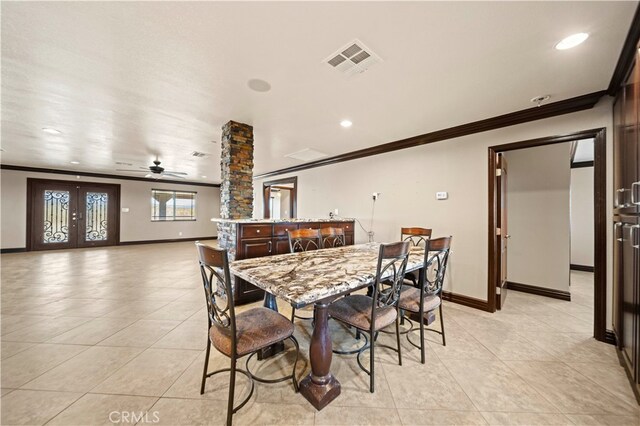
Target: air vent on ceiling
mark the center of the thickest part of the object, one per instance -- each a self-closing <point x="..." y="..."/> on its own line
<point x="198" y="154"/>
<point x="306" y="154"/>
<point x="123" y="163"/>
<point x="353" y="58"/>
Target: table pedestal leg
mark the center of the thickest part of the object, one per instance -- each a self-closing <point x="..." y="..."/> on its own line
<point x="320" y="387"/>
<point x="269" y="351"/>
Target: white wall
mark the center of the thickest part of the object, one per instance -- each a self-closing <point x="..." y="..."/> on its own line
<point x="135" y="225"/>
<point x="408" y="180"/>
<point x="538" y="216"/>
<point x="582" y="216"/>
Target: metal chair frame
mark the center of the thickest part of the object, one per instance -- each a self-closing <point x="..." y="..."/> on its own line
<point x="386" y="293"/>
<point x="432" y="275"/>
<point x="301" y="240"/>
<point x="332" y="237"/>
<point x="214" y="268"/>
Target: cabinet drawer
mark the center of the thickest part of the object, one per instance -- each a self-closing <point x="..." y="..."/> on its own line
<point x="347" y="226"/>
<point x="310" y="225"/>
<point x="255" y="231"/>
<point x="282" y="229"/>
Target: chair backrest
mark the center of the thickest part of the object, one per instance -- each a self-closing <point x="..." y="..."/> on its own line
<point x="392" y="259"/>
<point x="304" y="240"/>
<point x="436" y="258"/>
<point x="214" y="268"/>
<point x="332" y="237"/>
<point x="416" y="236"/>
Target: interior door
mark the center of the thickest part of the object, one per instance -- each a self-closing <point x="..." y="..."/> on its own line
<point x="66" y="214"/>
<point x="502" y="235"/>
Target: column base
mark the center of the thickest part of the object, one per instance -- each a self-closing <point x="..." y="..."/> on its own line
<point x="319" y="395"/>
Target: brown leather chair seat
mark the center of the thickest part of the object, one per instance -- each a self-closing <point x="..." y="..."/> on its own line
<point x="410" y="300"/>
<point x="256" y="329"/>
<point x="355" y="310"/>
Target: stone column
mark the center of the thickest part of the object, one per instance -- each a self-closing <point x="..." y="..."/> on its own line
<point x="236" y="189"/>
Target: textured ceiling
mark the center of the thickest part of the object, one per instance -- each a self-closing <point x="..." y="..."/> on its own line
<point x="129" y="81"/>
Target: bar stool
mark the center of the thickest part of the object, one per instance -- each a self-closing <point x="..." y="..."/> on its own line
<point x="332" y="237"/>
<point x="417" y="237"/>
<point x="304" y="240"/>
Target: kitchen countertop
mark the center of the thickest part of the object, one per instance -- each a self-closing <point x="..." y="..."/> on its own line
<point x="295" y="220"/>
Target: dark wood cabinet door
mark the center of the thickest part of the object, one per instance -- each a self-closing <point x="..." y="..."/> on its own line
<point x="630" y="293"/>
<point x="629" y="167"/>
<point x="256" y="247"/>
<point x="281" y="246"/>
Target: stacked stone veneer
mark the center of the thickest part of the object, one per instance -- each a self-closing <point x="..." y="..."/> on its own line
<point x="236" y="189"/>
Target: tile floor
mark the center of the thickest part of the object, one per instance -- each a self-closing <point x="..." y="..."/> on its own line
<point x="87" y="333"/>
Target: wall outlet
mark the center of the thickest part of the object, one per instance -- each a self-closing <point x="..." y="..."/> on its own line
<point x="335" y="212"/>
<point x="442" y="195"/>
<point x="125" y="210"/>
<point x="376" y="195"/>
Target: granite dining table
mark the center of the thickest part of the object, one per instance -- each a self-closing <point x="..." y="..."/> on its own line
<point x="317" y="277"/>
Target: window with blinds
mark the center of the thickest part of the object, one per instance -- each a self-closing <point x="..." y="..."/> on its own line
<point x="172" y="205"/>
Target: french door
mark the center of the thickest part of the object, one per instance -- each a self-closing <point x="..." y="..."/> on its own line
<point x="67" y="214"/>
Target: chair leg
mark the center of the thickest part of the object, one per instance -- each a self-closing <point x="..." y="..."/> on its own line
<point x="293" y="313"/>
<point x="444" y="341"/>
<point x="398" y="340"/>
<point x="371" y="364"/>
<point x="422" y="344"/>
<point x="232" y="388"/>
<point x="206" y="366"/>
<point x="295" y="364"/>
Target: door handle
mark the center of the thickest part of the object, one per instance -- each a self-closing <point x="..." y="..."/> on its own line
<point x="634" y="236"/>
<point x="616" y="200"/>
<point x="633" y="193"/>
<point x="616" y="227"/>
<point x="270" y="246"/>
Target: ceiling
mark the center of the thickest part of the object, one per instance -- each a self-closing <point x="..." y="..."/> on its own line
<point x="129" y="81"/>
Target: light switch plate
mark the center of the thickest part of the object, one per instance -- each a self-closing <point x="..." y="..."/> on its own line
<point x="442" y="195"/>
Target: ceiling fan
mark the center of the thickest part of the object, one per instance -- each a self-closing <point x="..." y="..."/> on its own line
<point x="156" y="171"/>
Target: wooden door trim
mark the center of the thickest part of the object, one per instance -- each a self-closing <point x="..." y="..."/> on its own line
<point x="31" y="182"/>
<point x="600" y="219"/>
<point x="275" y="183"/>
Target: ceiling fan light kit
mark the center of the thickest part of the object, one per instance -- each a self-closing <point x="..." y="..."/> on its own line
<point x="157" y="171"/>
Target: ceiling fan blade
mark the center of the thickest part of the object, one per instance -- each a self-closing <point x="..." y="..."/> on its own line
<point x="176" y="173"/>
<point x="131" y="170"/>
<point x="173" y="175"/>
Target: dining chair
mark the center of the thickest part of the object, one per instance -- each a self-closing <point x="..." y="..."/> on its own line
<point x="237" y="335"/>
<point x="417" y="237"/>
<point x="301" y="240"/>
<point x="425" y="299"/>
<point x="332" y="237"/>
<point x="370" y="314"/>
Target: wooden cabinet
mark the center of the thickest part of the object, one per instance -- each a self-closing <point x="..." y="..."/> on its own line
<point x="626" y="253"/>
<point x="268" y="239"/>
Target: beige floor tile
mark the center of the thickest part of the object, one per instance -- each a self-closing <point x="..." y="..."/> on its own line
<point x="39" y="332"/>
<point x="256" y="413"/>
<point x="190" y="412"/>
<point x="149" y="374"/>
<point x="429" y="383"/>
<point x="178" y="310"/>
<point x="603" y="420"/>
<point x="440" y="417"/>
<point x="98" y="409"/>
<point x="568" y="390"/>
<point x="510" y="345"/>
<point x="30" y="363"/>
<point x="334" y="415"/>
<point x="85" y="370"/>
<point x="11" y="323"/>
<point x="26" y="407"/>
<point x="492" y="386"/>
<point x="11" y="348"/>
<point x="573" y="347"/>
<point x="611" y="377"/>
<point x="188" y="335"/>
<point x="142" y="333"/>
<point x="4" y="391"/>
<point x="137" y="310"/>
<point x="93" y="331"/>
<point x="527" y="419"/>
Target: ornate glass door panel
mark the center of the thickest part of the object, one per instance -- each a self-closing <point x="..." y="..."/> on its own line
<point x="97" y="216"/>
<point x="53" y="216"/>
<point x="64" y="214"/>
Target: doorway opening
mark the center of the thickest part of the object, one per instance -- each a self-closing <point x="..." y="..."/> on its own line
<point x="65" y="214"/>
<point x="280" y="198"/>
<point x="500" y="235"/>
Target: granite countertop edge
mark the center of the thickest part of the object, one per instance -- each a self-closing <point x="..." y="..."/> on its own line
<point x="296" y="220"/>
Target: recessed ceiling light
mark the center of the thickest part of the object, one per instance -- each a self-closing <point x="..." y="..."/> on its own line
<point x="346" y="123"/>
<point x="258" y="85"/>
<point x="203" y="177"/>
<point x="51" y="131"/>
<point x="74" y="162"/>
<point x="572" y="41"/>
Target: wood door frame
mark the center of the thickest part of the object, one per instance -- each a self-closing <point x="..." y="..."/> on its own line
<point x="599" y="213"/>
<point x="275" y="183"/>
<point x="31" y="182"/>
